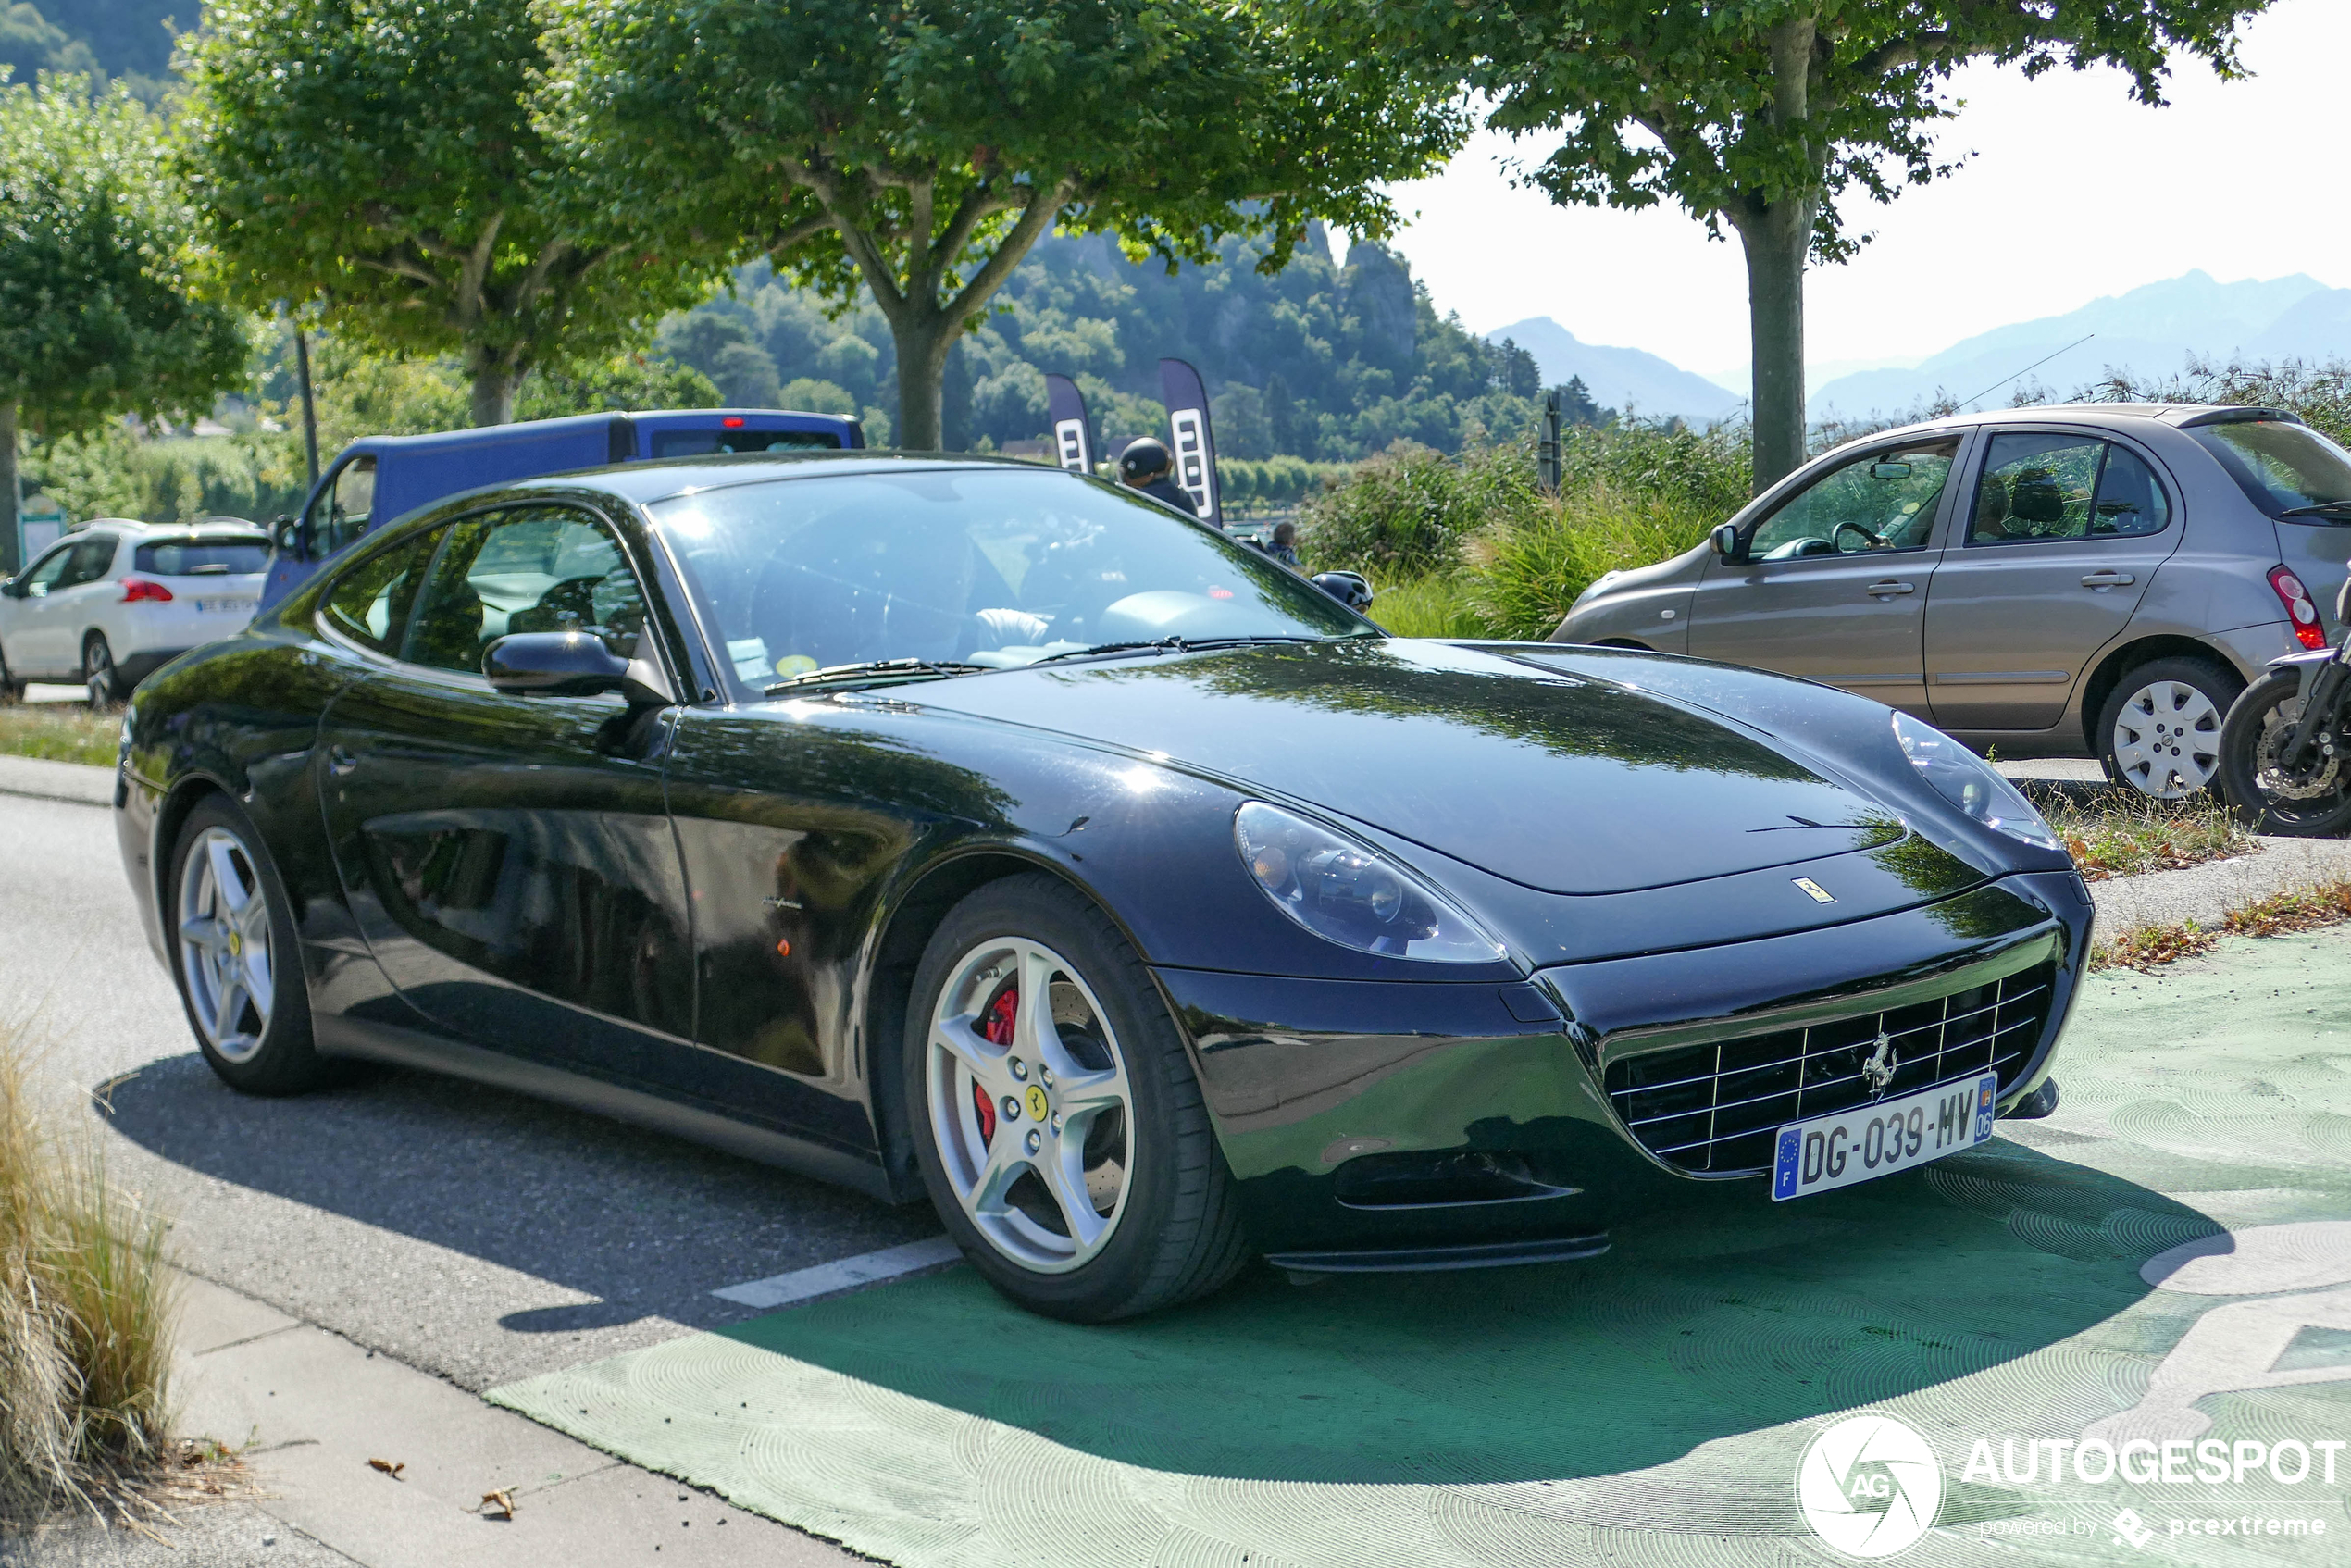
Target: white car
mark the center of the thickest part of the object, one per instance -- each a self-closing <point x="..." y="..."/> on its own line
<point x="111" y="603"/>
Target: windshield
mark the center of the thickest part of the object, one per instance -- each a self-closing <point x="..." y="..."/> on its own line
<point x="2279" y="466"/>
<point x="992" y="566"/>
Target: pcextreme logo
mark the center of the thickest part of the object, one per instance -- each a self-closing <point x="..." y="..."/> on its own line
<point x="1869" y="1486"/>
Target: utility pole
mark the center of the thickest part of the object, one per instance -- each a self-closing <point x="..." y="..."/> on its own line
<point x="309" y="408"/>
<point x="1547" y="452"/>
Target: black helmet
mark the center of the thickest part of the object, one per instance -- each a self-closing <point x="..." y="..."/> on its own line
<point x="1145" y="456"/>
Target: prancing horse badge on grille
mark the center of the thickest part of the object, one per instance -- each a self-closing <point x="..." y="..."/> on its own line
<point x="1878" y="1071"/>
<point x="1820" y="894"/>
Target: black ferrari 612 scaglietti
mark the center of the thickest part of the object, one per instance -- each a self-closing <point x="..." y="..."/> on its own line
<point x="974" y="830"/>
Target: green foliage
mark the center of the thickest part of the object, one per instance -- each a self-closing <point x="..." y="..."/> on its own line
<point x="2319" y="392"/>
<point x="1427" y="606"/>
<point x="621" y="384"/>
<point x="96" y="315"/>
<point x="1525" y="573"/>
<point x="383" y="157"/>
<point x="1273" y="484"/>
<point x="921" y="149"/>
<point x="1405" y="513"/>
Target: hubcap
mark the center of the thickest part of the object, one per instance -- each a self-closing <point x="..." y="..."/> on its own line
<point x="98" y="668"/>
<point x="1029" y="1104"/>
<point x="2167" y="739"/>
<point x="2322" y="773"/>
<point x="224" y="944"/>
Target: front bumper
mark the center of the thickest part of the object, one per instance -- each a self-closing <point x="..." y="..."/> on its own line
<point x="1363" y="1117"/>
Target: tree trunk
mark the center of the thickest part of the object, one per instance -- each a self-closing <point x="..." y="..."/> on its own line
<point x="1776" y="236"/>
<point x="10" y="561"/>
<point x="494" y="376"/>
<point x="922" y="341"/>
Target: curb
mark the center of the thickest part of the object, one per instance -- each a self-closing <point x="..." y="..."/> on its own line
<point x="39" y="778"/>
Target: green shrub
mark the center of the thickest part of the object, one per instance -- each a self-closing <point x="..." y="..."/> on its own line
<point x="1427" y="606"/>
<point x="1255" y="486"/>
<point x="1524" y="575"/>
<point x="2320" y="393"/>
<point x="1405" y="513"/>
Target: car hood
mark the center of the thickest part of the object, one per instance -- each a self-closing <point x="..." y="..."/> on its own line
<point x="1558" y="782"/>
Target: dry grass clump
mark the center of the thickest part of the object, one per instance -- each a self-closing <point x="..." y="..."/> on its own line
<point x="60" y="732"/>
<point x="2148" y="948"/>
<point x="2123" y="833"/>
<point x="85" y="1314"/>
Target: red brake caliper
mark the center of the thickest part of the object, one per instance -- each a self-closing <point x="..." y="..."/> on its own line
<point x="999" y="1030"/>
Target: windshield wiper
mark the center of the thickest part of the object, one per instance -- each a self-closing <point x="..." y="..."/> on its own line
<point x="2319" y="509"/>
<point x="1178" y="645"/>
<point x="833" y="674"/>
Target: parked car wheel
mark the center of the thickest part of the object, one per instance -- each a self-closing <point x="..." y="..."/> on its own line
<point x="2159" y="731"/>
<point x="12" y="689"/>
<point x="1061" y="1133"/>
<point x="2310" y="801"/>
<point x="98" y="672"/>
<point x="232" y="948"/>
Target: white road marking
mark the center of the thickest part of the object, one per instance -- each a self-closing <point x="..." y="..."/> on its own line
<point x="845" y="1274"/>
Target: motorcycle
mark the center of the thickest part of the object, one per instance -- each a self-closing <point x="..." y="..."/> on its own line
<point x="2285" y="746"/>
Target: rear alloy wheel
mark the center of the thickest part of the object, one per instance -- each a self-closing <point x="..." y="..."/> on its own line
<point x="98" y="672"/>
<point x="2160" y="731"/>
<point x="2312" y="798"/>
<point x="234" y="955"/>
<point x="1061" y="1132"/>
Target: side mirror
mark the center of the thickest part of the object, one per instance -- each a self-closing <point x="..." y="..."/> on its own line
<point x="1725" y="540"/>
<point x="1351" y="589"/>
<point x="571" y="664"/>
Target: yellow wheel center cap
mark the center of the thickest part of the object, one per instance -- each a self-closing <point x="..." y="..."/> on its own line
<point x="1037" y="1105"/>
<point x="236" y="944"/>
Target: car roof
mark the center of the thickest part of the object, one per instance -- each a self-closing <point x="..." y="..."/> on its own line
<point x="667" y="478"/>
<point x="2174" y="414"/>
<point x="194" y="527"/>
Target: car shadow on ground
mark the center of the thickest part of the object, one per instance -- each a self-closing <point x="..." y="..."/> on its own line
<point x="645" y="1223"/>
<point x="1728" y="1317"/>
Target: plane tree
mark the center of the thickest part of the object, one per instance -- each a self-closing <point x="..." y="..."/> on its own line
<point x="1765" y="117"/>
<point x="383" y="158"/>
<point x="920" y="148"/>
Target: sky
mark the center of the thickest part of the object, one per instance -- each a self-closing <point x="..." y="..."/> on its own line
<point x="2073" y="192"/>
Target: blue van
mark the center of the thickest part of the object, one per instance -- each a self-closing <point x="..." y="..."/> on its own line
<point x="379" y="479"/>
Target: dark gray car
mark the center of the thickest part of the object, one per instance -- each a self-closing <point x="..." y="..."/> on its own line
<point x="2091" y="580"/>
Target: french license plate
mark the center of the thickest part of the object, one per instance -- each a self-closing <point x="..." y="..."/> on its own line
<point x="224" y="606"/>
<point x="1870" y="1142"/>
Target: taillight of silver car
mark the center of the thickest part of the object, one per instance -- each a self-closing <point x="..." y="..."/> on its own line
<point x="136" y="590"/>
<point x="2299" y="607"/>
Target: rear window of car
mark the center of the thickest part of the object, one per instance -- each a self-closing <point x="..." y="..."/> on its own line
<point x="2279" y="466"/>
<point x="705" y="444"/>
<point x="203" y="557"/>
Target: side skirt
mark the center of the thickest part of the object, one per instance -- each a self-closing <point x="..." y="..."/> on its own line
<point x="344" y="1036"/>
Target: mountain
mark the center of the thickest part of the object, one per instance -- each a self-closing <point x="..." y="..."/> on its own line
<point x="1628" y="380"/>
<point x="2149" y="331"/>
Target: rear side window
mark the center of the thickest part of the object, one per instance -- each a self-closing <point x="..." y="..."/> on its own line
<point x="369" y="604"/>
<point x="91" y="558"/>
<point x="2279" y="466"/>
<point x="2043" y="487"/>
<point x="704" y="444"/>
<point x="203" y="557"/>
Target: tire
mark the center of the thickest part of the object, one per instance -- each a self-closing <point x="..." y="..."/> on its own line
<point x="256" y="1049"/>
<point x="2313" y="807"/>
<point x="1172" y="1230"/>
<point x="12" y="689"/>
<point x="2159" y="729"/>
<point x="98" y="673"/>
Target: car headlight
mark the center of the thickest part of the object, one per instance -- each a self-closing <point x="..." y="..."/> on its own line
<point x="1349" y="893"/>
<point x="1968" y="782"/>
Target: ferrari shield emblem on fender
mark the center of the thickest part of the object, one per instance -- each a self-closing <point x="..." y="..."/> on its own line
<point x="1819" y="893"/>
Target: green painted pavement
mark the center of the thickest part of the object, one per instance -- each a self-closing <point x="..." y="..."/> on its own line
<point x="1647" y="1407"/>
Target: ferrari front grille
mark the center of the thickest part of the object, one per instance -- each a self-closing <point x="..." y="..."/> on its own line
<point x="1712" y="1109"/>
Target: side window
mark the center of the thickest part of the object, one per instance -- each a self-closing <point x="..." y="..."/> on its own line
<point x="2037" y="486"/>
<point x="1882" y="500"/>
<point x="534" y="568"/>
<point x="369" y="604"/>
<point x="48" y="571"/>
<point x="92" y="556"/>
<point x="339" y="514"/>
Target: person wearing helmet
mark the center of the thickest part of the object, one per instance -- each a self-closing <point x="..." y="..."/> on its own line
<point x="1145" y="466"/>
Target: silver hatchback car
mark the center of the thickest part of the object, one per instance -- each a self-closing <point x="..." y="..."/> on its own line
<point x="2097" y="579"/>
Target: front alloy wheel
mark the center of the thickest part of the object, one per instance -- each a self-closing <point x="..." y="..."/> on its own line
<point x="1029" y="1104"/>
<point x="1054" y="1112"/>
<point x="225" y="944"/>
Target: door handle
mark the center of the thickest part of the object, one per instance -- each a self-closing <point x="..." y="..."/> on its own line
<point x="1888" y="588"/>
<point x="2109" y="579"/>
<point x="339" y="762"/>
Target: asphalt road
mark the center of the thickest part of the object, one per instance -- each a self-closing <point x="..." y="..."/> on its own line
<point x="469" y="1232"/>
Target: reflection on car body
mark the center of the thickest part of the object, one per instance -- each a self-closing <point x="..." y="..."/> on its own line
<point x="1116" y="889"/>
